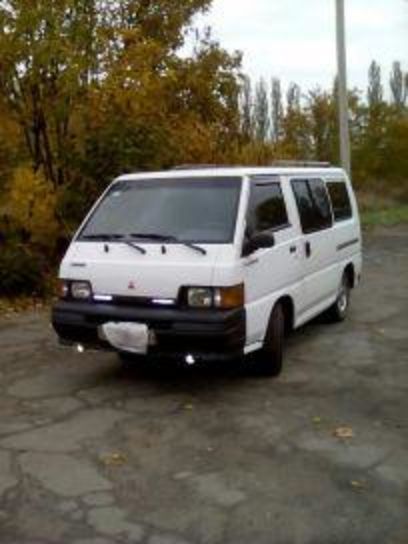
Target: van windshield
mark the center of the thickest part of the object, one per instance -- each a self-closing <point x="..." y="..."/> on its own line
<point x="201" y="210"/>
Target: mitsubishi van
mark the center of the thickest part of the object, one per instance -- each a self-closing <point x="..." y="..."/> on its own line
<point x="208" y="264"/>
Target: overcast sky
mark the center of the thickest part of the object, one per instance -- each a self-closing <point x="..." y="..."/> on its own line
<point x="295" y="39"/>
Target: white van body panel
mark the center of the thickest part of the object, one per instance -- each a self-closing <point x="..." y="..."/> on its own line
<point x="125" y="272"/>
<point x="324" y="269"/>
<point x="277" y="267"/>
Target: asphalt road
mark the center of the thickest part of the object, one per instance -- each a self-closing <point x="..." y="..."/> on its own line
<point x="91" y="453"/>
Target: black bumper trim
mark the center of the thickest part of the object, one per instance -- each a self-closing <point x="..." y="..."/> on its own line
<point x="204" y="333"/>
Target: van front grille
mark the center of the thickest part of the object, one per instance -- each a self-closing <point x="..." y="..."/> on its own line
<point x="133" y="302"/>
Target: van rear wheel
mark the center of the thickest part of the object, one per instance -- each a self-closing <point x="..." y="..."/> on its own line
<point x="268" y="360"/>
<point x="338" y="312"/>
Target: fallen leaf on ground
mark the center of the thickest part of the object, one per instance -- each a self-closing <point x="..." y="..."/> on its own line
<point x="114" y="459"/>
<point x="317" y="420"/>
<point x="357" y="484"/>
<point x="188" y="406"/>
<point x="343" y="432"/>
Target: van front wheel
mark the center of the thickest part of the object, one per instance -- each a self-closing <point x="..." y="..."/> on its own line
<point x="268" y="360"/>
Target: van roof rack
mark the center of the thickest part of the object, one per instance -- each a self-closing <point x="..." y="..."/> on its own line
<point x="199" y="166"/>
<point x="278" y="164"/>
<point x="294" y="163"/>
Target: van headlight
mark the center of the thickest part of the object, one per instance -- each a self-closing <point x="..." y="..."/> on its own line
<point x="200" y="297"/>
<point x="215" y="297"/>
<point x="81" y="290"/>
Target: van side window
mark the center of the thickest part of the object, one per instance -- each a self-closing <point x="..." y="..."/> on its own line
<point x="340" y="200"/>
<point x="313" y="204"/>
<point x="267" y="210"/>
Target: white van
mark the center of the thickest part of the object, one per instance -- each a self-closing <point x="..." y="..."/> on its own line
<point x="210" y="263"/>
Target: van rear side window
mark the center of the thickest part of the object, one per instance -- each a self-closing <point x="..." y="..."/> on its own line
<point x="340" y="200"/>
<point x="313" y="204"/>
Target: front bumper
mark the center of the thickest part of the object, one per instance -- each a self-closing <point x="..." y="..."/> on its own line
<point x="205" y="334"/>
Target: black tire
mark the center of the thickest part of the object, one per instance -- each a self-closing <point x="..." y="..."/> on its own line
<point x="338" y="312"/>
<point x="268" y="360"/>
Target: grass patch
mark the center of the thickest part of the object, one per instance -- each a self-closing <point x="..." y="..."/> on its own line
<point x="388" y="217"/>
<point x="383" y="206"/>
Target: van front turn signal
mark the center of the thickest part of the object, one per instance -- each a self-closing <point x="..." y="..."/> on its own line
<point x="215" y="297"/>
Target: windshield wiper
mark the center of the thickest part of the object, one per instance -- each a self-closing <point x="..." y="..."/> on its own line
<point x="167" y="238"/>
<point x="101" y="236"/>
<point x="110" y="237"/>
<point x="140" y="249"/>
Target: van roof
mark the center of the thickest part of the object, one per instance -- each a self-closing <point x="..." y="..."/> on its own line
<point x="239" y="171"/>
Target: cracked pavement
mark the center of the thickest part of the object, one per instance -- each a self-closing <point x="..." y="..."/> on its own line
<point x="94" y="453"/>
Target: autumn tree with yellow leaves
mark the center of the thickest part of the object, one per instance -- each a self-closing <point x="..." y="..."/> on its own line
<point x="90" y="89"/>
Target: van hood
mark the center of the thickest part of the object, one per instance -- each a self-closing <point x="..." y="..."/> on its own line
<point x="117" y="269"/>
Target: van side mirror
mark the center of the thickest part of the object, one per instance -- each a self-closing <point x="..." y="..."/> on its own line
<point x="260" y="240"/>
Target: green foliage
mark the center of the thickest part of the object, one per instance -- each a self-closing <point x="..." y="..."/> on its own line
<point x="305" y="127"/>
<point x="387" y="217"/>
<point x="277" y="111"/>
<point x="375" y="91"/>
<point x="71" y="67"/>
<point x="246" y="105"/>
<point x="21" y="272"/>
<point x="91" y="89"/>
<point x="296" y="141"/>
<point x="261" y="112"/>
<point x="397" y="85"/>
<point x="31" y="206"/>
<point x="10" y="145"/>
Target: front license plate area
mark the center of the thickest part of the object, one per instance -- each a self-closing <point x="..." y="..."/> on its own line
<point x="130" y="337"/>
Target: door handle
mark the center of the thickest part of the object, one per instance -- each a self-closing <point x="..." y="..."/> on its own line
<point x="308" y="249"/>
<point x="292" y="249"/>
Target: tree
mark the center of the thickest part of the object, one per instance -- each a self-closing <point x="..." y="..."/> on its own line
<point x="247" y="109"/>
<point x="370" y="148"/>
<point x="405" y="87"/>
<point x="10" y="146"/>
<point x="98" y="88"/>
<point x="54" y="55"/>
<point x="375" y="91"/>
<point x="276" y="109"/>
<point x="44" y="51"/>
<point x="397" y="85"/>
<point x="321" y="110"/>
<point x="293" y="97"/>
<point x="32" y="201"/>
<point x="261" y="111"/>
<point x="296" y="142"/>
<point x="143" y="119"/>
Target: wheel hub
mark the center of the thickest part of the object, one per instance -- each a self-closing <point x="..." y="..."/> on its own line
<point x="342" y="301"/>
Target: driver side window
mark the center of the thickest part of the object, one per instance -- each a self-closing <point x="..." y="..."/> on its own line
<point x="267" y="210"/>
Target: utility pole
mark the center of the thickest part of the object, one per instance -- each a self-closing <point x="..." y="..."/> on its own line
<point x="345" y="152"/>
